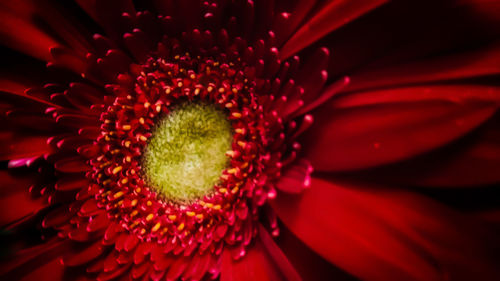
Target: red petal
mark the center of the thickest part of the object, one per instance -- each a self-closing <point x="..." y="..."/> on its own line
<point x="447" y="93"/>
<point x="277" y="256"/>
<point x="198" y="267"/>
<point x="472" y="162"/>
<point x="22" y="35"/>
<point x="50" y="271"/>
<point x="71" y="165"/>
<point x="388" y="235"/>
<point x="330" y="17"/>
<point x="308" y="263"/>
<point x="482" y="62"/>
<point x="15" y="146"/>
<point x="27" y="260"/>
<point x="71" y="183"/>
<point x="258" y="264"/>
<point x="295" y="178"/>
<point x="377" y="128"/>
<point x="85" y="255"/>
<point x="287" y="22"/>
<point x="17" y="205"/>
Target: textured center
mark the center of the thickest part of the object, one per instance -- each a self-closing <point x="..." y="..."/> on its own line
<point x="186" y="154"/>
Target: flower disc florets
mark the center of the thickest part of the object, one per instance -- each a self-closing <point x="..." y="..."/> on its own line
<point x="204" y="220"/>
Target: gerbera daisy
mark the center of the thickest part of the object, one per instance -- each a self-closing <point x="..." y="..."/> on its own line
<point x="176" y="140"/>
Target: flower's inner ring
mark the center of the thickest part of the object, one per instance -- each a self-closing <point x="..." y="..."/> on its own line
<point x="137" y="170"/>
<point x="186" y="153"/>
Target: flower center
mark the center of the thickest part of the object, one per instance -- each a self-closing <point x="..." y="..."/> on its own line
<point x="185" y="156"/>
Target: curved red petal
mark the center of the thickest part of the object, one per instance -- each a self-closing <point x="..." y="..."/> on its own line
<point x="258" y="264"/>
<point x="331" y="16"/>
<point x="22" y="35"/>
<point x="309" y="265"/>
<point x="382" y="127"/>
<point x="388" y="235"/>
<point x="477" y="63"/>
<point x="471" y="162"/>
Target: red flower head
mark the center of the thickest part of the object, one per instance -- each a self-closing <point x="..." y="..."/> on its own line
<point x="175" y="140"/>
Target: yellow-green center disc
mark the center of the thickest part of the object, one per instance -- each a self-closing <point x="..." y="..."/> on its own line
<point x="186" y="154"/>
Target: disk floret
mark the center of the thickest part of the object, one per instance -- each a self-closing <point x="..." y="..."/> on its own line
<point x="228" y="213"/>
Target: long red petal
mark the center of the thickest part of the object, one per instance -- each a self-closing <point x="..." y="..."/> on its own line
<point x="263" y="261"/>
<point x="21" y="35"/>
<point x="472" y="162"/>
<point x="374" y="128"/>
<point x="388" y="235"/>
<point x="481" y="62"/>
<point x="330" y="17"/>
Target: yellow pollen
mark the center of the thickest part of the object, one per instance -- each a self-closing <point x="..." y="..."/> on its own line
<point x="210" y="89"/>
<point x="229" y="105"/>
<point x="242" y="144"/>
<point x="180" y="227"/>
<point x="185" y="154"/>
<point x="146" y="104"/>
<point x="234" y="190"/>
<point x="235" y="90"/>
<point x="118" y="194"/>
<point x="134" y="213"/>
<point x="192" y="76"/>
<point x="209" y="205"/>
<point x="128" y="159"/>
<point x="150" y="217"/>
<point x="222" y="190"/>
<point x="116" y="170"/>
<point x="221" y="90"/>
<point x="143" y="138"/>
<point x="172" y="217"/>
<point x="217" y="207"/>
<point x="199" y="216"/>
<point x="124" y="180"/>
<point x="149" y="203"/>
<point x="179" y="84"/>
<point x="133" y="203"/>
<point x="138" y="190"/>
<point x="236" y="115"/>
<point x="141" y="120"/>
<point x="156" y="227"/>
<point x="143" y="231"/>
<point x="127" y="144"/>
<point x="190" y="214"/>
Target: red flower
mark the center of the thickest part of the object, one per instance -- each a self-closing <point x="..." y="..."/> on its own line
<point x="175" y="140"/>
